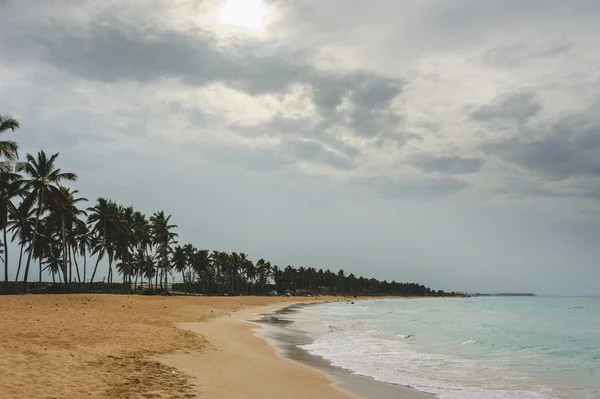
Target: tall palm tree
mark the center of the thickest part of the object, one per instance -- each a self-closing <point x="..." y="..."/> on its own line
<point x="97" y="248"/>
<point x="8" y="149"/>
<point x="10" y="185"/>
<point x="103" y="221"/>
<point x="83" y="242"/>
<point x="64" y="215"/>
<point x="202" y="267"/>
<point x="43" y="176"/>
<point x="22" y="219"/>
<point x="45" y="245"/>
<point x="163" y="238"/>
<point x="180" y="261"/>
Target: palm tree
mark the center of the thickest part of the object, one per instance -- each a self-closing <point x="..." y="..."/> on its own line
<point x="125" y="240"/>
<point x="83" y="242"/>
<point x="250" y="272"/>
<point x="163" y="238"/>
<point x="21" y="224"/>
<point x="8" y="149"/>
<point x="63" y="216"/>
<point x="45" y="246"/>
<point x="180" y="261"/>
<point x="43" y="176"/>
<point x="202" y="267"/>
<point x="97" y="248"/>
<point x="10" y="185"/>
<point x="103" y="221"/>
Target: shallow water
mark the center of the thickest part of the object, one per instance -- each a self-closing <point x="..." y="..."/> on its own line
<point x="509" y="347"/>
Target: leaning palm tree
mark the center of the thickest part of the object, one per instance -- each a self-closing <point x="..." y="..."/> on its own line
<point x="43" y="175"/>
<point x="8" y="149"/>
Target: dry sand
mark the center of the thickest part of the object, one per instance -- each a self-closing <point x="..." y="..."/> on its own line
<point x="104" y="346"/>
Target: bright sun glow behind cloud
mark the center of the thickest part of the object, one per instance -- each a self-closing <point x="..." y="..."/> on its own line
<point x="248" y="14"/>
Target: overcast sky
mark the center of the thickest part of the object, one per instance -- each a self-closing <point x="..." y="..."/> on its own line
<point x="451" y="143"/>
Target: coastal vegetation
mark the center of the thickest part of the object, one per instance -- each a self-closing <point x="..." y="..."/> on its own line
<point x="55" y="230"/>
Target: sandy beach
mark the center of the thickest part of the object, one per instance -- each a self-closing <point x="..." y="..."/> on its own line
<point x="103" y="346"/>
<point x="114" y="346"/>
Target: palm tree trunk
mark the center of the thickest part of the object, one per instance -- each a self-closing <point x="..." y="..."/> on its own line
<point x="128" y="275"/>
<point x="74" y="259"/>
<point x="40" y="268"/>
<point x="35" y="230"/>
<point x="94" y="273"/>
<point x="65" y="254"/>
<point x="53" y="278"/>
<point x="110" y="271"/>
<point x="5" y="263"/>
<point x="84" y="264"/>
<point x="20" y="258"/>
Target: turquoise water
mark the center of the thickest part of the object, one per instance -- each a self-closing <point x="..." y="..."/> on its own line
<point x="509" y="347"/>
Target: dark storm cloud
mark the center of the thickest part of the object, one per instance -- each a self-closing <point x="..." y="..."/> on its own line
<point x="518" y="106"/>
<point x="569" y="148"/>
<point x="423" y="187"/>
<point x="447" y="164"/>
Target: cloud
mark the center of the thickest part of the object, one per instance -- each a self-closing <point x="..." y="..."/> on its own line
<point x="413" y="188"/>
<point x="569" y="148"/>
<point x="347" y="103"/>
<point x="447" y="164"/>
<point x="517" y="54"/>
<point x="273" y="157"/>
<point x="519" y="106"/>
<point x="316" y="152"/>
<point x="520" y="187"/>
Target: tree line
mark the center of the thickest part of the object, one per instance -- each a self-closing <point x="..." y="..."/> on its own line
<point x="54" y="232"/>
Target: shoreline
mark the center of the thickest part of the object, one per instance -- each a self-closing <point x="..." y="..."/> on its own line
<point x="242" y="364"/>
<point x="247" y="358"/>
<point x="276" y="330"/>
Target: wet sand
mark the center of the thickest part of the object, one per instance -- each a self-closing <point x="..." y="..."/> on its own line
<point x="276" y="330"/>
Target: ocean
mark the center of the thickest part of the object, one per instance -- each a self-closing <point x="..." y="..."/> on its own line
<point x="486" y="347"/>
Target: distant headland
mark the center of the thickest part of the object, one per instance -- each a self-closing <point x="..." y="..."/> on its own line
<point x="506" y="294"/>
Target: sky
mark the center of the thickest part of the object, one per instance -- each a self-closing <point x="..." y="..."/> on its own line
<point x="451" y="143"/>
